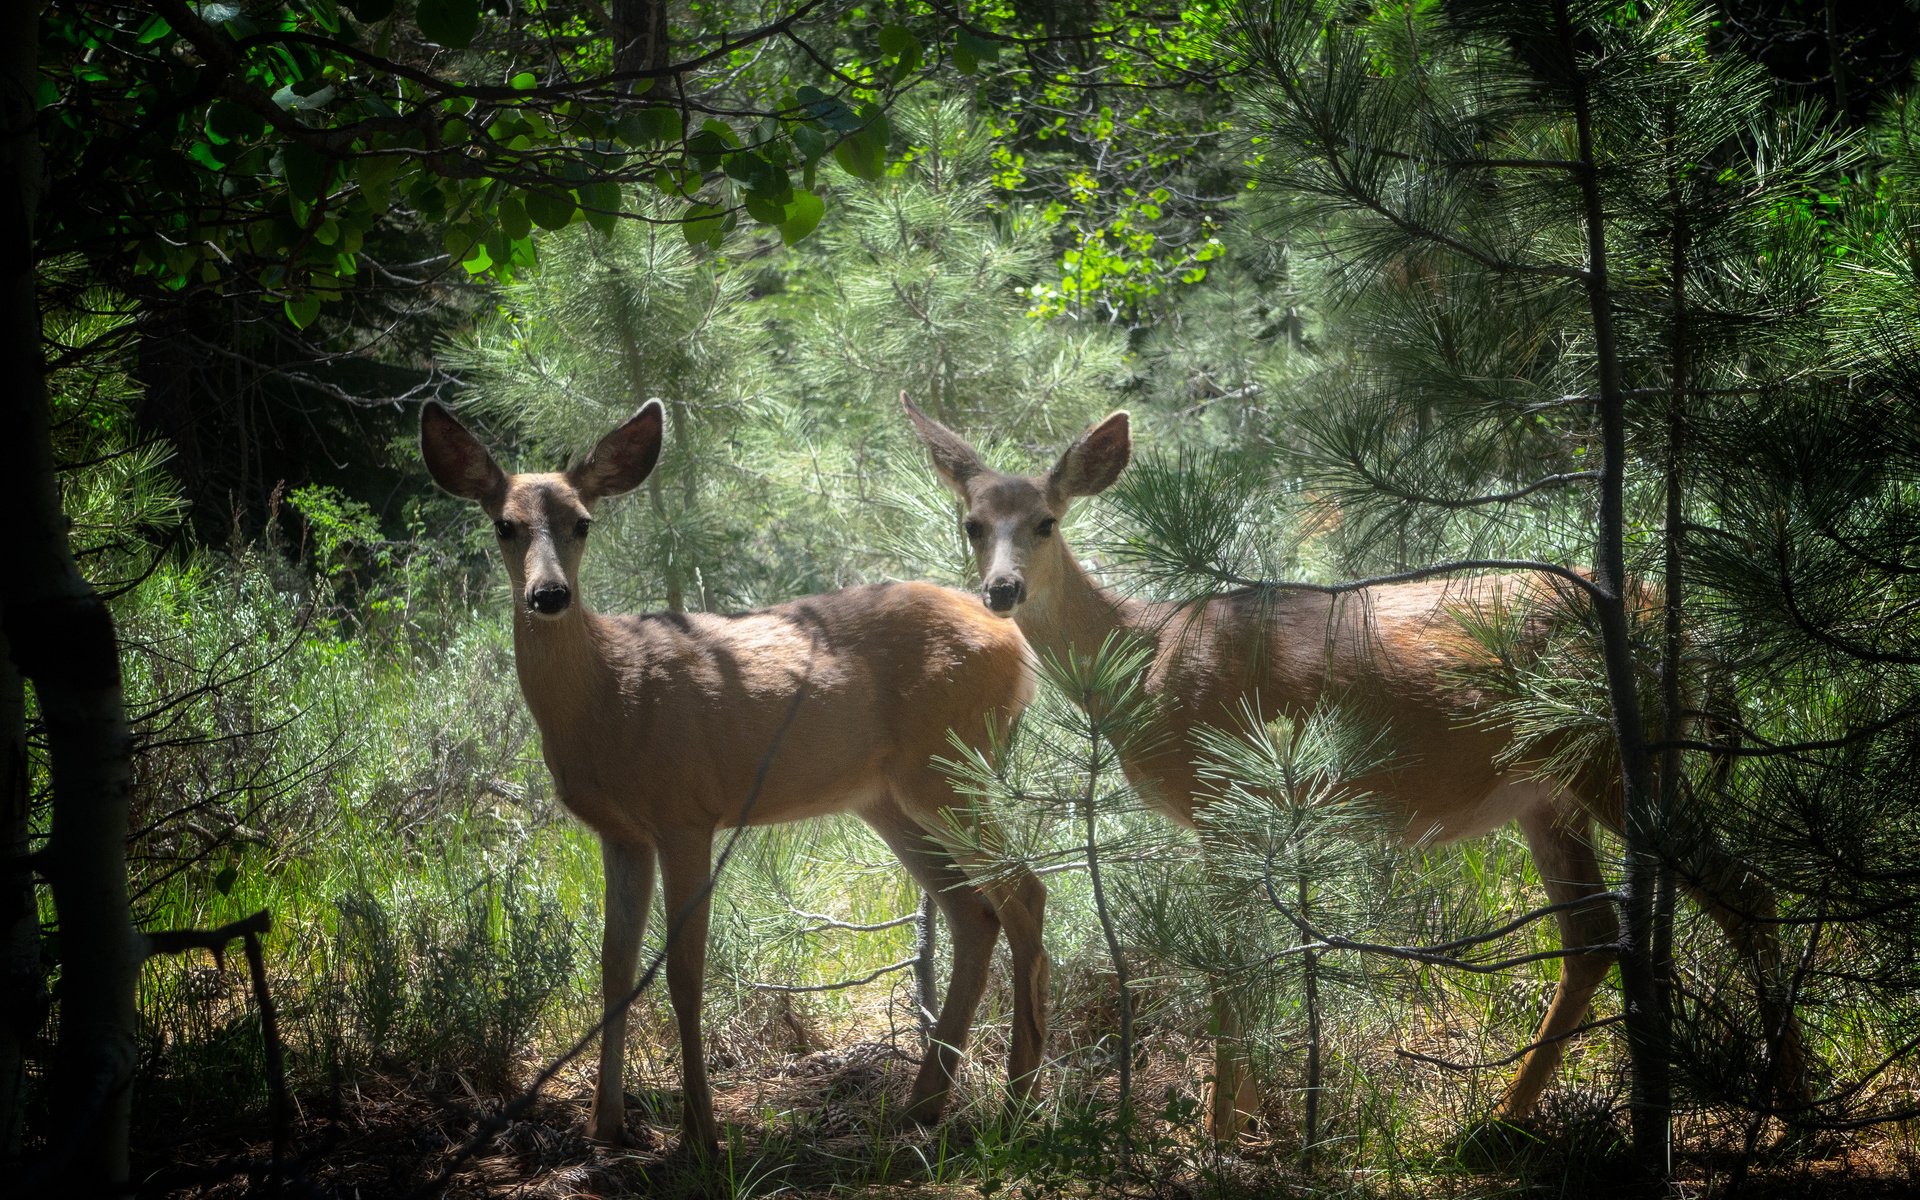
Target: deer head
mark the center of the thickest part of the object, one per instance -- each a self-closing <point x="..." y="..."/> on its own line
<point x="541" y="519"/>
<point x="1011" y="520"/>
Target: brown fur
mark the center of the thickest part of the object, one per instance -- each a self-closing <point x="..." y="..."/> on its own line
<point x="655" y="728"/>
<point x="1394" y="653"/>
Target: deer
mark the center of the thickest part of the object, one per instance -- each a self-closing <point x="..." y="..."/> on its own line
<point x="1393" y="650"/>
<point x="661" y="729"/>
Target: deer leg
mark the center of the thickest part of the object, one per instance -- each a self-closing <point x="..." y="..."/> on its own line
<point x="1563" y="851"/>
<point x="1020" y="901"/>
<point x="629" y="877"/>
<point x="1016" y="903"/>
<point x="974" y="928"/>
<point x="1742" y="904"/>
<point x="686" y="858"/>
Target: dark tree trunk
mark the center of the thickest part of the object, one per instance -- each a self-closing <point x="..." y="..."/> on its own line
<point x="22" y="1003"/>
<point x="61" y="639"/>
<point x="1651" y="1098"/>
<point x="640" y="36"/>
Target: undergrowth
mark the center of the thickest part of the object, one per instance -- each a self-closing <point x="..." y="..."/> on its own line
<point x="436" y="935"/>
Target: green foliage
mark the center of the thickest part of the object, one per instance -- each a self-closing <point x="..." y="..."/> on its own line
<point x="319" y="127"/>
<point x="1317" y="389"/>
<point x="459" y="984"/>
<point x="917" y="287"/>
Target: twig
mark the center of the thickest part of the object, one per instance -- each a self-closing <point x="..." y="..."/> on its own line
<point x="278" y="1108"/>
<point x="1437" y="955"/>
<point x="902" y="965"/>
<point x="214" y="941"/>
<point x="826" y="923"/>
<point x="1516" y="1056"/>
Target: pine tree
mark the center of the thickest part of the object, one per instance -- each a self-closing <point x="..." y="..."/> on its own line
<point x="1562" y="242"/>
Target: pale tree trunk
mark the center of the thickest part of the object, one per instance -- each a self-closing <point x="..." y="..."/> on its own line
<point x="62" y="641"/>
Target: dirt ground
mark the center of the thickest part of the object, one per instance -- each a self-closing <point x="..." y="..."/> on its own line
<point x="816" y="1124"/>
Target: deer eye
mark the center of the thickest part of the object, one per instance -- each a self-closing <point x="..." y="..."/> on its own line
<point x="504" y="529"/>
<point x="1045" y="528"/>
<point x="581" y="526"/>
<point x="975" y="529"/>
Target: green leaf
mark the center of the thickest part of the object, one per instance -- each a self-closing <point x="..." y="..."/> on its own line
<point x="759" y="175"/>
<point x="225" y="878"/>
<point x="803" y="213"/>
<point x="478" y="261"/>
<point x="227" y="121"/>
<point x="830" y="111"/>
<point x="863" y="154"/>
<point x="600" y="205"/>
<point x="514" y="220"/>
<point x="651" y="126"/>
<point x="809" y="142"/>
<point x="305" y="170"/>
<point x="525" y="81"/>
<point x="303" y="310"/>
<point x="452" y="23"/>
<point x="371" y="10"/>
<point x="899" y="43"/>
<point x="704" y="225"/>
<point x="550" y="209"/>
<point x="978" y="48"/>
<point x="763" y="210"/>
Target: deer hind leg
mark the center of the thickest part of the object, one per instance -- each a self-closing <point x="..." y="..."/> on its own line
<point x="974" y="928"/>
<point x="976" y="883"/>
<point x="686" y="859"/>
<point x="1742" y="904"/>
<point x="1562" y="844"/>
<point x="629" y="878"/>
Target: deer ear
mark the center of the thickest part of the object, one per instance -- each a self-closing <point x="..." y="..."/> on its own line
<point x="456" y="459"/>
<point x="1091" y="464"/>
<point x="954" y="460"/>
<point x="622" y="460"/>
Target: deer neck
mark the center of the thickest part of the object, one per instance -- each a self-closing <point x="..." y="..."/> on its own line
<point x="562" y="664"/>
<point x="1075" y="613"/>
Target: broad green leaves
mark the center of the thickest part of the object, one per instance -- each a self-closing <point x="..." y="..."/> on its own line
<point x="482" y="150"/>
<point x="452" y="23"/>
<point x="971" y="49"/>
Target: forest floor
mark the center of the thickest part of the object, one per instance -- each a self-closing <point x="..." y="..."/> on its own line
<point x="817" y="1125"/>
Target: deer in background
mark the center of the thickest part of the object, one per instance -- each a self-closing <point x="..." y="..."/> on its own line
<point x="1392" y="650"/>
<point x="655" y="727"/>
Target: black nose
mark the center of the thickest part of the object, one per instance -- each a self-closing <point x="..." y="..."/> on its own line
<point x="1002" y="594"/>
<point x="550" y="598"/>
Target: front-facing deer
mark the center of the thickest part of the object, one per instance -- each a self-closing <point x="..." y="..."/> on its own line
<point x="661" y="729"/>
<point x="1394" y="651"/>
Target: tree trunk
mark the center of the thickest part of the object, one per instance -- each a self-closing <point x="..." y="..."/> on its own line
<point x="22" y="1003"/>
<point x="640" y="37"/>
<point x="61" y="639"/>
<point x="1651" y="1097"/>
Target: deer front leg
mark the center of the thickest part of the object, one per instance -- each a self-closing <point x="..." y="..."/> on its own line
<point x="1563" y="851"/>
<point x="686" y="858"/>
<point x="629" y="878"/>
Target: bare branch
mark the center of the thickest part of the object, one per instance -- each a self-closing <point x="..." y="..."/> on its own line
<point x="902" y="965"/>
<point x="1516" y="1056"/>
